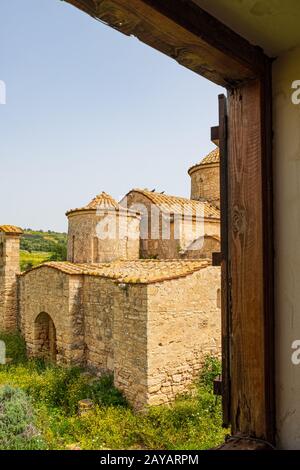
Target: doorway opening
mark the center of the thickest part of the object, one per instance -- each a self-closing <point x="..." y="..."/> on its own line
<point x="45" y="337"/>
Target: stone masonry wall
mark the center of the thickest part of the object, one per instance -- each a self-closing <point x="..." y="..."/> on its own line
<point x="85" y="246"/>
<point x="152" y="244"/>
<point x="202" y="248"/>
<point x="184" y="324"/>
<point x="116" y="334"/>
<point x="130" y="343"/>
<point x="46" y="290"/>
<point x="9" y="268"/>
<point x="153" y="338"/>
<point x="205" y="183"/>
<point x="99" y="298"/>
<point x="181" y="232"/>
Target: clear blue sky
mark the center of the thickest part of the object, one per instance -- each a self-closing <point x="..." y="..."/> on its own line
<point x="90" y="110"/>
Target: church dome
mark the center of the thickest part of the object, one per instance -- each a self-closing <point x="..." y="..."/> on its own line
<point x="103" y="201"/>
<point x="211" y="158"/>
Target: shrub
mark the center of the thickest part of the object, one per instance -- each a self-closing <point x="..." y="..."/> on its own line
<point x="17" y="429"/>
<point x="210" y="370"/>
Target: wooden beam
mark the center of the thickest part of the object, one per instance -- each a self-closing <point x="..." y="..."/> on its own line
<point x="214" y="135"/>
<point x="88" y="6"/>
<point x="184" y="32"/>
<point x="216" y="258"/>
<point x="252" y="361"/>
<point x="225" y="278"/>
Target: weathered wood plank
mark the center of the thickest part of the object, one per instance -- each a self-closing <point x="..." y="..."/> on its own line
<point x="248" y="349"/>
<point x="225" y="281"/>
<point x="214" y="135"/>
<point x="184" y="32"/>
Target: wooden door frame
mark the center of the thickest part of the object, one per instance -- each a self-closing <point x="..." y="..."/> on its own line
<point x="198" y="41"/>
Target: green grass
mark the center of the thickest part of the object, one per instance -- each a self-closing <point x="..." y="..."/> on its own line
<point x="29" y="260"/>
<point x="192" y="422"/>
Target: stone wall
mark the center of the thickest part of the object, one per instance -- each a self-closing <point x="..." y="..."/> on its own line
<point x="159" y="242"/>
<point x="130" y="343"/>
<point x="99" y="300"/>
<point x="184" y="324"/>
<point x="205" y="183"/>
<point x="85" y="246"/>
<point x="46" y="290"/>
<point x="9" y="268"/>
<point x="202" y="248"/>
<point x="152" y="337"/>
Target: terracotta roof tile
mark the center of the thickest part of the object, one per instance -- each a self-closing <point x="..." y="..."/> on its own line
<point x="103" y="201"/>
<point x="131" y="272"/>
<point x="11" y="229"/>
<point x="180" y="205"/>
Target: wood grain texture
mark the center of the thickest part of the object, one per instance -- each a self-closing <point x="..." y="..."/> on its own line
<point x="249" y="374"/>
<point x="225" y="279"/>
<point x="184" y="32"/>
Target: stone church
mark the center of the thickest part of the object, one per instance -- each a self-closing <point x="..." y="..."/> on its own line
<point x="137" y="297"/>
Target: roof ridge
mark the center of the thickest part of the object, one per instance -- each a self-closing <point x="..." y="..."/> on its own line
<point x="130" y="272"/>
<point x="179" y="204"/>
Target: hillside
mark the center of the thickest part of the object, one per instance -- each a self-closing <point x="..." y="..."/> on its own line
<point x="38" y="246"/>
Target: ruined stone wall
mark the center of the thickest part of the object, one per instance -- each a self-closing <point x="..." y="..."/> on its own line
<point x="49" y="291"/>
<point x="85" y="246"/>
<point x="9" y="268"/>
<point x="184" y="324"/>
<point x="205" y="183"/>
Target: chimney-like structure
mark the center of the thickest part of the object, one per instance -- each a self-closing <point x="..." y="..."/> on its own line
<point x="9" y="268"/>
<point x="205" y="179"/>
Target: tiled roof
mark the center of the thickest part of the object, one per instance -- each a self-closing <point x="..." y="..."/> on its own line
<point x="11" y="229"/>
<point x="180" y="205"/>
<point x="212" y="157"/>
<point x="131" y="272"/>
<point x="103" y="201"/>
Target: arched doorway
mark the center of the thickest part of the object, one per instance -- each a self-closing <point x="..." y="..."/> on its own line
<point x="45" y="337"/>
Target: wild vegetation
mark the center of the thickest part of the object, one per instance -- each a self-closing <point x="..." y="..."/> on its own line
<point x="39" y="246"/>
<point x="45" y="397"/>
